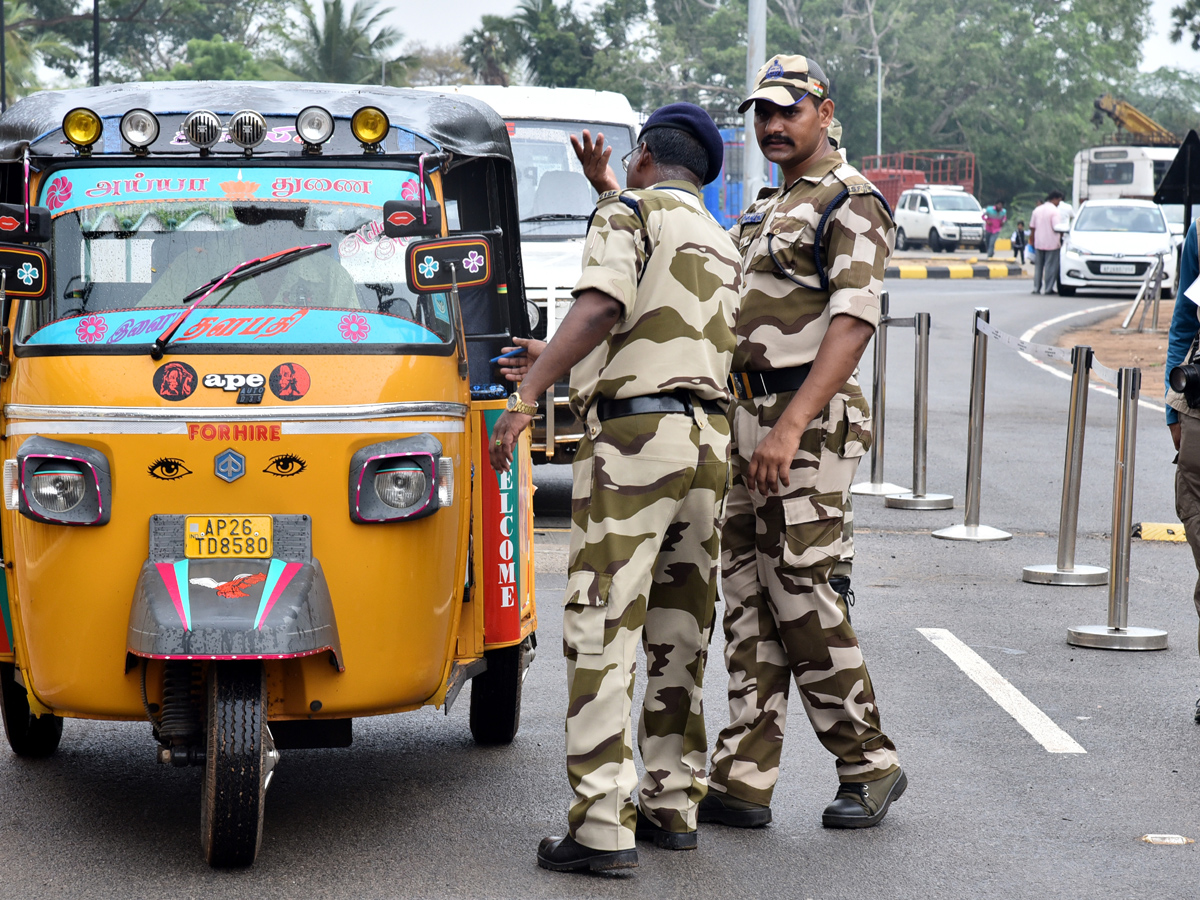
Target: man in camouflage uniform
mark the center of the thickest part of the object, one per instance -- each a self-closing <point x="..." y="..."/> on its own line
<point x="813" y="255"/>
<point x="650" y="338"/>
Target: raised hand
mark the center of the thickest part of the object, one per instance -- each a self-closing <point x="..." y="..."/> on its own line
<point x="595" y="162"/>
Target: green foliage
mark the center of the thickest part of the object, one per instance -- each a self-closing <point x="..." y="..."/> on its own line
<point x="24" y="48"/>
<point x="1169" y="96"/>
<point x="1185" y="19"/>
<point x="348" y="43"/>
<point x="216" y="60"/>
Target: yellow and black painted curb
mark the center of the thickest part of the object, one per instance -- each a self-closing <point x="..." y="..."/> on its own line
<point x="1156" y="531"/>
<point x="954" y="270"/>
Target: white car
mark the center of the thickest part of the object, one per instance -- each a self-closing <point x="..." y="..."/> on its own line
<point x="941" y="216"/>
<point x="1113" y="243"/>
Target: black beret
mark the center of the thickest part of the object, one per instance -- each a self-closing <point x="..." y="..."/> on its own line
<point x="695" y="121"/>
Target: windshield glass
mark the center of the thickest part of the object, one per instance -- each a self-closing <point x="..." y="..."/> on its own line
<point x="554" y="196"/>
<point x="955" y="202"/>
<point x="129" y="245"/>
<point x="1121" y="218"/>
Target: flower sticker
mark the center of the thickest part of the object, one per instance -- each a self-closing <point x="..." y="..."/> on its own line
<point x="27" y="273"/>
<point x="473" y="261"/>
<point x="58" y="193"/>
<point x="91" y="329"/>
<point x="354" y="328"/>
<point x="409" y="191"/>
<point x="429" y="267"/>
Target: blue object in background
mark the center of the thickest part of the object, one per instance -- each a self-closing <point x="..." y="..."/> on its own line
<point x="723" y="197"/>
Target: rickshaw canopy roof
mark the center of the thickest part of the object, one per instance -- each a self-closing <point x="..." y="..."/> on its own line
<point x="455" y="123"/>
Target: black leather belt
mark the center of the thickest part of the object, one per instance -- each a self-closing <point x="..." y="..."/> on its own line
<point x="775" y="381"/>
<point x="679" y="402"/>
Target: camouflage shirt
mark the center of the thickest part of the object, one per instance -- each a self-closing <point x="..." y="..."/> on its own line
<point x="781" y="323"/>
<point x="676" y="273"/>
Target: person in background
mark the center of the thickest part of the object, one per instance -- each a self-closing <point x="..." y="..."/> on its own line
<point x="1020" y="237"/>
<point x="1182" y="419"/>
<point x="994" y="218"/>
<point x="1046" y="244"/>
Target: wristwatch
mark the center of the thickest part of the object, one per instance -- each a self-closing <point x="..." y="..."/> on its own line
<point x="516" y="404"/>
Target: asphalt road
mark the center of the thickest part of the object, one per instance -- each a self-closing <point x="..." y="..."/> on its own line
<point x="414" y="810"/>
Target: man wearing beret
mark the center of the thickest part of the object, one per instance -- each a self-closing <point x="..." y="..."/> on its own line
<point x="813" y="255"/>
<point x="649" y="343"/>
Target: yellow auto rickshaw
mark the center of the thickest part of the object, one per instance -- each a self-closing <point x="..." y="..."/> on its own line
<point x="246" y="400"/>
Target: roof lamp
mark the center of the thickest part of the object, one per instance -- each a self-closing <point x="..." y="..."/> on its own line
<point x="82" y="128"/>
<point x="370" y="125"/>
<point x="139" y="128"/>
<point x="247" y="129"/>
<point x="202" y="129"/>
<point x="314" y="126"/>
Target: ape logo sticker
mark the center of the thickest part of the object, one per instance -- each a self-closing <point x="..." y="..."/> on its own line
<point x="232" y="589"/>
<point x="250" y="388"/>
<point x="229" y="465"/>
<point x="175" y="381"/>
<point x="289" y="381"/>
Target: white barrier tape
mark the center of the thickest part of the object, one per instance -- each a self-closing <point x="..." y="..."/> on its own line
<point x="1039" y="351"/>
<point x="1104" y="372"/>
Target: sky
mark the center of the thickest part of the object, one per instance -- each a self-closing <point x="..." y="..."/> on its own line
<point x="445" y="21"/>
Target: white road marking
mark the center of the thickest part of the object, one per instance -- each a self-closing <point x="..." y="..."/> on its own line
<point x="1065" y="375"/>
<point x="1012" y="701"/>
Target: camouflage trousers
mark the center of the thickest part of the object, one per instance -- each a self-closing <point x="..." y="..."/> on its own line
<point x="646" y="498"/>
<point x="782" y="619"/>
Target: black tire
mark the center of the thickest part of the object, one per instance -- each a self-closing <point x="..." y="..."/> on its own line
<point x="1066" y="290"/>
<point x="236" y="764"/>
<point x="949" y="248"/>
<point x="496" y="696"/>
<point x="935" y="241"/>
<point x="30" y="736"/>
<point x="901" y="239"/>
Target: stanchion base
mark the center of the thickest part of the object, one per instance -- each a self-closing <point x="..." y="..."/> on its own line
<point x="1052" y="574"/>
<point x="972" y="533"/>
<point x="925" y="501"/>
<point x="1104" y="638"/>
<point x="882" y="489"/>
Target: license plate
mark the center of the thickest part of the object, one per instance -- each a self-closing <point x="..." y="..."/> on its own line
<point x="227" y="537"/>
<point x="1117" y="269"/>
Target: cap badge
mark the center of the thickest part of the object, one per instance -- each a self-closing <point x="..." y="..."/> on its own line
<point x="775" y="70"/>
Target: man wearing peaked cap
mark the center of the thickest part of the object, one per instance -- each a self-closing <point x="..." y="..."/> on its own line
<point x="649" y="343"/>
<point x="813" y="255"/>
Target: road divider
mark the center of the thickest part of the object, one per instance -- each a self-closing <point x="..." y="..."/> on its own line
<point x="954" y="270"/>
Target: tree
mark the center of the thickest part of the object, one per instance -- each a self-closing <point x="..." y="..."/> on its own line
<point x="491" y="50"/>
<point x="216" y="60"/>
<point x="25" y="48"/>
<point x="438" y="66"/>
<point x="1185" y="19"/>
<point x="349" y="43"/>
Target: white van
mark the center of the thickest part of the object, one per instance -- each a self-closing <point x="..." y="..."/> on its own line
<point x="555" y="201"/>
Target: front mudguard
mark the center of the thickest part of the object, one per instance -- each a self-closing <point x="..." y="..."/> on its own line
<point x="232" y="609"/>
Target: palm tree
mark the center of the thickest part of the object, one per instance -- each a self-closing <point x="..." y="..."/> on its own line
<point x="23" y="49"/>
<point x="492" y="49"/>
<point x="349" y="43"/>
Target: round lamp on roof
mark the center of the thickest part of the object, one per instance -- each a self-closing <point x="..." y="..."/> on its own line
<point x="82" y="127"/>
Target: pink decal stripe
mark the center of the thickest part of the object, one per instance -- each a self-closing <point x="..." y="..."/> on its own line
<point x="289" y="572"/>
<point x="166" y="572"/>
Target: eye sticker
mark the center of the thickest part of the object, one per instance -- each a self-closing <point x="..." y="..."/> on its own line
<point x="168" y="468"/>
<point x="285" y="465"/>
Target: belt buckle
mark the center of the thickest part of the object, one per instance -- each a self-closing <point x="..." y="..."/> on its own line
<point x="740" y="383"/>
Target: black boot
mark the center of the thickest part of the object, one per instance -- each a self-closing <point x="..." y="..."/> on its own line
<point x="564" y="854"/>
<point x="863" y="804"/>
<point x="1196" y="715"/>
<point x="668" y="840"/>
<point x="726" y="810"/>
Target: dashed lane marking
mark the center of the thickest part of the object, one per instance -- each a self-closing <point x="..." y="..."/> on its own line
<point x="1012" y="701"/>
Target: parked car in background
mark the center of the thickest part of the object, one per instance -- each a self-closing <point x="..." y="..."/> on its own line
<point x="1113" y="244"/>
<point x="942" y="217"/>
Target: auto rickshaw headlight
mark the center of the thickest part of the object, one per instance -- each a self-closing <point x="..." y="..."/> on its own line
<point x="401" y="485"/>
<point x="58" y="486"/>
<point x="370" y="125"/>
<point x="139" y="128"/>
<point x="82" y="127"/>
<point x="314" y="126"/>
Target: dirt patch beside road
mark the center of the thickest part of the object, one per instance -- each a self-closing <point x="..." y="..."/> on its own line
<point x="1146" y="351"/>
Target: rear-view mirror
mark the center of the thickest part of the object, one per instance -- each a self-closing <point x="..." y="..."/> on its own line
<point x="12" y="223"/>
<point x="432" y="266"/>
<point x="403" y="218"/>
<point x="25" y="268"/>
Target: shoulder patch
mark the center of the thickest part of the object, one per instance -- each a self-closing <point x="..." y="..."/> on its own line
<point x="606" y="196"/>
<point x="863" y="187"/>
<point x="752" y="218"/>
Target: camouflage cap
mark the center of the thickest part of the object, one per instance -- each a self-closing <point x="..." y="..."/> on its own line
<point x="784" y="80"/>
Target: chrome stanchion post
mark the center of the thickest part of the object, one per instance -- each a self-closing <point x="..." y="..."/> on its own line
<point x="917" y="498"/>
<point x="1065" y="571"/>
<point x="877" y="487"/>
<point x="971" y="530"/>
<point x="1118" y="635"/>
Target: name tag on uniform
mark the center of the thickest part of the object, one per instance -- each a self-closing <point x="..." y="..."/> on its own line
<point x="752" y="218"/>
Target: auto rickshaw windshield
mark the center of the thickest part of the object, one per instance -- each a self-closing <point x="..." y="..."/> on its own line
<point x="129" y="246"/>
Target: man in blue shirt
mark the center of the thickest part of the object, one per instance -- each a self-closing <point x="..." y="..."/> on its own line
<point x="1183" y="420"/>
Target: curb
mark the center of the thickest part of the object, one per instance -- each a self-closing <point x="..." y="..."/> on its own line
<point x="955" y="270"/>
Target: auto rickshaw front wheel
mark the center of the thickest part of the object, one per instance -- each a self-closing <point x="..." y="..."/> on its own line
<point x="496" y="694"/>
<point x="237" y="765"/>
<point x="30" y="736"/>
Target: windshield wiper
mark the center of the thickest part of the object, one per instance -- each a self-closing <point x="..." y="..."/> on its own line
<point x="550" y="217"/>
<point x="245" y="269"/>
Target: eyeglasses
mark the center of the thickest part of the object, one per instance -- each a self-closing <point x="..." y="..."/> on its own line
<point x="625" y="159"/>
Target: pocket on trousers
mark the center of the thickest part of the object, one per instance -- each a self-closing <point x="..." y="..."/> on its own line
<point x="849" y="426"/>
<point x="813" y="529"/>
<point x="585" y="609"/>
